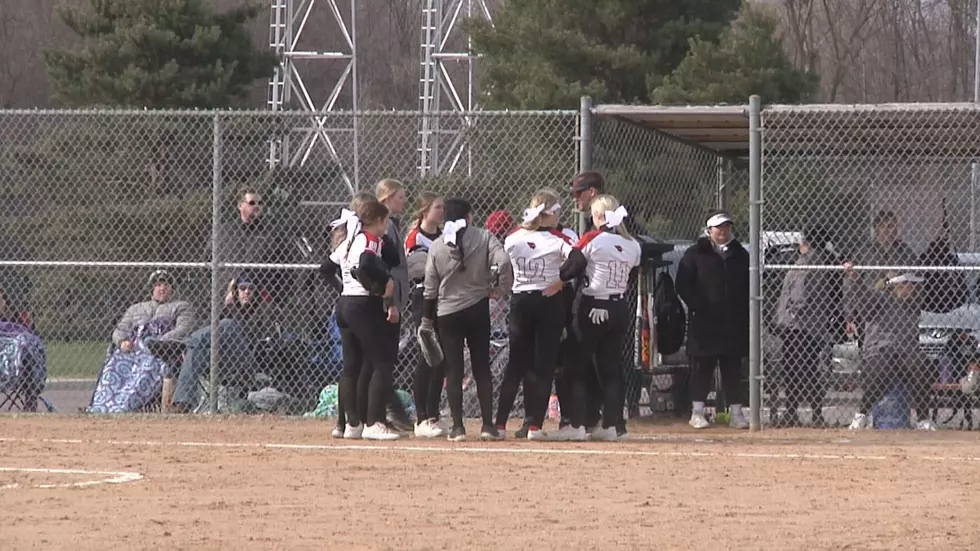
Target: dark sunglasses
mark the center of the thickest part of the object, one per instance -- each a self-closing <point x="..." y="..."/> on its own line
<point x="254" y="203"/>
<point x="246" y="287"/>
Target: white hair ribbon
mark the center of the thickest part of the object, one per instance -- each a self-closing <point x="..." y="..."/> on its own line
<point x="451" y="228"/>
<point x="531" y="213"/>
<point x="353" y="225"/>
<point x="616" y="217"/>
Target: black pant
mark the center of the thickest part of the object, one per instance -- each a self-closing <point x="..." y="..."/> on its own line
<point x="427" y="380"/>
<point x="802" y="378"/>
<point x="470" y="327"/>
<point x="880" y="373"/>
<point x="366" y="340"/>
<point x="536" y="323"/>
<point x="703" y="371"/>
<point x="566" y="354"/>
<point x="605" y="341"/>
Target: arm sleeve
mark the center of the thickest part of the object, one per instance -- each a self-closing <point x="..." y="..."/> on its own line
<point x="184" y="324"/>
<point x="330" y="272"/>
<point x="686" y="284"/>
<point x="574" y="265"/>
<point x="498" y="257"/>
<point x="124" y="329"/>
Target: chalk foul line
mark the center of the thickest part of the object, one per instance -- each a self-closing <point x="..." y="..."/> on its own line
<point x="106" y="477"/>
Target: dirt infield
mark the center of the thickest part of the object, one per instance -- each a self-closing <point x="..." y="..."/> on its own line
<point x="272" y="483"/>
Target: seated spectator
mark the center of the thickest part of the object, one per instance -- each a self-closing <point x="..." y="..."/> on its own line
<point x="9" y="312"/>
<point x="160" y="305"/>
<point x="890" y="353"/>
<point x="245" y="320"/>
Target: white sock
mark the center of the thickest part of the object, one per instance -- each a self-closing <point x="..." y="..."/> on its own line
<point x="736" y="410"/>
<point x="697" y="407"/>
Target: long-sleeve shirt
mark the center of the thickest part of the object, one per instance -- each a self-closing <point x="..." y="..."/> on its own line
<point x="400" y="272"/>
<point x="182" y="313"/>
<point x="457" y="286"/>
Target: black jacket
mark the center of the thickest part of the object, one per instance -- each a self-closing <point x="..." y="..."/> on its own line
<point x="716" y="291"/>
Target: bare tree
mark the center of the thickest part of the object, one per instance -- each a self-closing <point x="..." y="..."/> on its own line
<point x="18" y="52"/>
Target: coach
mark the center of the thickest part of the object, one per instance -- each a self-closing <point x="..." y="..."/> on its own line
<point x="713" y="280"/>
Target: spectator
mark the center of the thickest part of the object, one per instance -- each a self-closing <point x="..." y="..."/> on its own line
<point x="713" y="280"/>
<point x="885" y="250"/>
<point x="160" y="305"/>
<point x="245" y="320"/>
<point x="890" y="352"/>
<point x="806" y="312"/>
<point x="251" y="239"/>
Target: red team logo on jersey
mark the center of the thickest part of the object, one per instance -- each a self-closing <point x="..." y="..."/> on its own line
<point x="619" y="248"/>
<point x="532" y="245"/>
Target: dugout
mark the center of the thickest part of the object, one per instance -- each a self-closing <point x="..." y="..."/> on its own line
<point x="780" y="167"/>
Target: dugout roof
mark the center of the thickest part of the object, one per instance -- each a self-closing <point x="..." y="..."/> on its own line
<point x="948" y="130"/>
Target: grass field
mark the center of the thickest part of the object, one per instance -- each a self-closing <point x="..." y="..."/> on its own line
<point x="74" y="359"/>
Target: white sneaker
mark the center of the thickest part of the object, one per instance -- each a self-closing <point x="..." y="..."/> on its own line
<point x="380" y="431"/>
<point x="860" y="422"/>
<point x="698" y="421"/>
<point x="428" y="429"/>
<point x="569" y="433"/>
<point x="354" y="432"/>
<point x="925" y="424"/>
<point x="337" y="432"/>
<point x="738" y="421"/>
<point x="604" y="435"/>
<point x="537" y="434"/>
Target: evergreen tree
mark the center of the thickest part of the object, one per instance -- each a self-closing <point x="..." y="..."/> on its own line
<point x="544" y="54"/>
<point x="157" y="54"/>
<point x="748" y="59"/>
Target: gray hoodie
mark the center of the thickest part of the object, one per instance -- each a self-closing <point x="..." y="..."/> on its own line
<point x="806" y="301"/>
<point x="891" y="323"/>
<point x="457" y="289"/>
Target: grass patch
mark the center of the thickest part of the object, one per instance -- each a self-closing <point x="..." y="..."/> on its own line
<point x="75" y="359"/>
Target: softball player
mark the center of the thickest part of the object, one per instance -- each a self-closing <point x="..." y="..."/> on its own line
<point x="542" y="259"/>
<point x="457" y="290"/>
<point x="602" y="318"/>
<point x="365" y="309"/>
<point x="427" y="380"/>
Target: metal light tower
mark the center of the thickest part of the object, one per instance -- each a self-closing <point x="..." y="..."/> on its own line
<point x="445" y="45"/>
<point x="287" y="23"/>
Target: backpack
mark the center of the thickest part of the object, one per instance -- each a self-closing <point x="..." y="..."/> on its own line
<point x="671" y="316"/>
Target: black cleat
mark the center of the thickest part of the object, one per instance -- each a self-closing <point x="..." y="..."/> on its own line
<point x="458" y="434"/>
<point x="522" y="432"/>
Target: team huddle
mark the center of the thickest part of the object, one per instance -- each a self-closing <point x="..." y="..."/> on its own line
<point x="567" y="303"/>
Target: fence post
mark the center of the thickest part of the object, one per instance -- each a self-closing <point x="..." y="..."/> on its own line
<point x="755" y="278"/>
<point x="584" y="150"/>
<point x="217" y="296"/>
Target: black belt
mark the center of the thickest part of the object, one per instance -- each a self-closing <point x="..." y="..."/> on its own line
<point x="608" y="298"/>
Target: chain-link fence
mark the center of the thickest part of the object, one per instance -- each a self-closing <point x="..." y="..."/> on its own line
<point x="99" y="207"/>
<point x="890" y="193"/>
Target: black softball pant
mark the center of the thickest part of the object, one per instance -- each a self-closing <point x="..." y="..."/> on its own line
<point x="703" y="372"/>
<point x="802" y="377"/>
<point x="536" y="323"/>
<point x="604" y="341"/>
<point x="469" y="327"/>
<point x="365" y="336"/>
<point x="427" y="380"/>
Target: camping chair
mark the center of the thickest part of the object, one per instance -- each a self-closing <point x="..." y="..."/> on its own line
<point x="23" y="368"/>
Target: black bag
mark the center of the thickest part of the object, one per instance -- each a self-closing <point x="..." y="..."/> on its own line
<point x="671" y="317"/>
<point x="943" y="292"/>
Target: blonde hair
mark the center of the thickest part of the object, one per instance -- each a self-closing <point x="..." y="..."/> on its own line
<point x="601" y="204"/>
<point x="386" y="188"/>
<point x="547" y="197"/>
<point x="426" y="200"/>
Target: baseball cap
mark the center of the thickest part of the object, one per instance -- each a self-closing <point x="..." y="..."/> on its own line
<point x="499" y="222"/>
<point x="161" y="276"/>
<point x="906" y="278"/>
<point x="718" y="219"/>
<point x="588" y="179"/>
